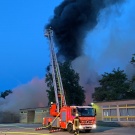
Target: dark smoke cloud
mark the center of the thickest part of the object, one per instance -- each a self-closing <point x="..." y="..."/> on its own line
<point x="71" y="22"/>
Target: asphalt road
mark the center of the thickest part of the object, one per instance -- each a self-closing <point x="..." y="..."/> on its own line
<point x="29" y="129"/>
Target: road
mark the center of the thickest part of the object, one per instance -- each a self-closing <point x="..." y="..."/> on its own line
<point x="29" y="129"/>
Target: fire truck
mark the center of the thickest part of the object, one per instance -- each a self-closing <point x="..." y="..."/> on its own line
<point x="62" y="115"/>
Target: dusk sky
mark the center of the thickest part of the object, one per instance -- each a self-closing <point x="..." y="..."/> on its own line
<point x="24" y="51"/>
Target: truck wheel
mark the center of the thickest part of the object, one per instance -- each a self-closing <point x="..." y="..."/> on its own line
<point x="88" y="131"/>
<point x="49" y="126"/>
<point x="70" y="128"/>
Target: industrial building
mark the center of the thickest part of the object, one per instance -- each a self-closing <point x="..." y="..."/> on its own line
<point x="33" y="115"/>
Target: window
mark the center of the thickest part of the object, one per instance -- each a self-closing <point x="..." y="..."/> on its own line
<point x="105" y="106"/>
<point x="110" y="115"/>
<point x="113" y="106"/>
<point x="39" y="110"/>
<point x="109" y="112"/>
<point x="63" y="116"/>
<point x="86" y="111"/>
<point x="126" y="112"/>
<point x="131" y="111"/>
<point x="123" y="111"/>
<point x="106" y="112"/>
<point x="74" y="111"/>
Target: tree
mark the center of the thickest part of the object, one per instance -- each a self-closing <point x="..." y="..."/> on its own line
<point x="49" y="81"/>
<point x="74" y="93"/>
<point x="113" y="86"/>
<point x="5" y="93"/>
<point x="133" y="77"/>
<point x="133" y="59"/>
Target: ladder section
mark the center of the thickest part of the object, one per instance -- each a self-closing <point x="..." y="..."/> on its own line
<point x="57" y="82"/>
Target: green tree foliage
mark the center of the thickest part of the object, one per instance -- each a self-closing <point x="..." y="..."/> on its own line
<point x="5" y="93"/>
<point x="74" y="93"/>
<point x="133" y="77"/>
<point x="49" y="81"/>
<point x="133" y="59"/>
<point x="113" y="86"/>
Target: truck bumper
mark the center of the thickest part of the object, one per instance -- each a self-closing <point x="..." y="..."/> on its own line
<point x="85" y="127"/>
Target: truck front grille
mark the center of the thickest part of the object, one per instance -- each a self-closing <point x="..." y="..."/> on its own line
<point x="86" y="122"/>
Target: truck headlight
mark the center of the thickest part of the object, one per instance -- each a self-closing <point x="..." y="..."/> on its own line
<point x="80" y="127"/>
<point x="94" y="126"/>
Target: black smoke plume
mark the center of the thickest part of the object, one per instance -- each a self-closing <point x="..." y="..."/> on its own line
<point x="72" y="20"/>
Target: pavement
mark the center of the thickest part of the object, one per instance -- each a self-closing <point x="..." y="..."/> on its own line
<point x="29" y="129"/>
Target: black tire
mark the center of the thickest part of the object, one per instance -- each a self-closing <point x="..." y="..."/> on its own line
<point x="88" y="131"/>
<point x="49" y="126"/>
<point x="70" y="128"/>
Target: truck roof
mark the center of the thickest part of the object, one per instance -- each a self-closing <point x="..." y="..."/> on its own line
<point x="82" y="106"/>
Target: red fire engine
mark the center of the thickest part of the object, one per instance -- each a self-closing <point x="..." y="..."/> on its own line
<point x="61" y="115"/>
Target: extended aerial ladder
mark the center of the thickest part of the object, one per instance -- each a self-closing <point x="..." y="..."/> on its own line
<point x="63" y="115"/>
<point x="57" y="81"/>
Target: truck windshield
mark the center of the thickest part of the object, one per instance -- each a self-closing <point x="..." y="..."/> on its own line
<point x="86" y="111"/>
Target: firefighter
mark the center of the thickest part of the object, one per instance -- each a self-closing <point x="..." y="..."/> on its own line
<point x="76" y="123"/>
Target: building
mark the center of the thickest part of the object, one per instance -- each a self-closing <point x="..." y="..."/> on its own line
<point x="33" y="115"/>
<point x="116" y="113"/>
<point x="9" y="117"/>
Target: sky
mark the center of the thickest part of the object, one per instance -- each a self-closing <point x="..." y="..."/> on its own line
<point x="111" y="43"/>
<point x="24" y="51"/>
